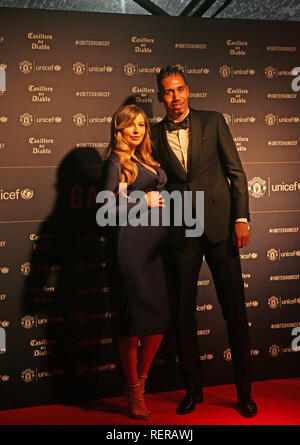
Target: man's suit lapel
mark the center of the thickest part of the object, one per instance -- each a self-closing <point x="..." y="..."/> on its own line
<point x="172" y="159"/>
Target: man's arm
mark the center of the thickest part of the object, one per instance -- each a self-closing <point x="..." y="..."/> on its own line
<point x="238" y="183"/>
<point x="233" y="170"/>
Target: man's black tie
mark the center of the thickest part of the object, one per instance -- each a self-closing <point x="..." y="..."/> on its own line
<point x="172" y="126"/>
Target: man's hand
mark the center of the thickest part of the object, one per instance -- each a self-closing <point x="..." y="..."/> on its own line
<point x="241" y="235"/>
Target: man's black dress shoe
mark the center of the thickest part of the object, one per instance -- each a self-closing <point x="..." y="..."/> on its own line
<point x="188" y="403"/>
<point x="247" y="407"/>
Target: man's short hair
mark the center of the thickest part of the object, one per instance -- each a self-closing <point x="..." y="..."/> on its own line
<point x="174" y="70"/>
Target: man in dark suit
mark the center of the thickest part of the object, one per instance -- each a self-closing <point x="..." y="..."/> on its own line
<point x="197" y="151"/>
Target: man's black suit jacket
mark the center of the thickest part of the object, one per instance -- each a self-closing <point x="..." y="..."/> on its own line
<point x="214" y="166"/>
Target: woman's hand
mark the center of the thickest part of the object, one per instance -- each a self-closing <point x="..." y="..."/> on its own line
<point x="154" y="199"/>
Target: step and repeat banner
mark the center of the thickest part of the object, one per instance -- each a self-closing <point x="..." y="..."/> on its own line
<point x="66" y="73"/>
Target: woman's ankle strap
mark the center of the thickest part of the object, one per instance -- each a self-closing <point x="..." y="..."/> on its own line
<point x="134" y="385"/>
<point x="143" y="376"/>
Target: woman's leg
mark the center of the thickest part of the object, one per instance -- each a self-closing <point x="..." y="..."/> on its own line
<point x="148" y="349"/>
<point x="128" y="350"/>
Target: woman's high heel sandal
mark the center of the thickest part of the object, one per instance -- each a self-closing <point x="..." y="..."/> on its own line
<point x="142" y="379"/>
<point x="136" y="402"/>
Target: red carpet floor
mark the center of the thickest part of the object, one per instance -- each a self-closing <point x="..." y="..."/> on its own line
<point x="278" y="404"/>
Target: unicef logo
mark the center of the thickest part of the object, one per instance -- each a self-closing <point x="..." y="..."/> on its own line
<point x="273" y="254"/>
<point x="26" y="119"/>
<point x="129" y="69"/>
<point x="273" y="302"/>
<point x="257" y="187"/>
<point x="79" y="119"/>
<point x="270" y="72"/>
<point x="25" y="67"/>
<point x="270" y="119"/>
<point x="274" y="350"/>
<point x="78" y="68"/>
<point x="27" y="194"/>
<point x="224" y="71"/>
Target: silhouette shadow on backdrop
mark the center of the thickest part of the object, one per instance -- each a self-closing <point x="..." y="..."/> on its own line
<point x="68" y="289"/>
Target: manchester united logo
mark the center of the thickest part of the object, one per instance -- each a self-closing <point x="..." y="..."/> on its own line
<point x="228" y="118"/>
<point x="270" y="119"/>
<point x="273" y="254"/>
<point x="274" y="350"/>
<point x="224" y="71"/>
<point x="273" y="302"/>
<point x="257" y="187"/>
<point x="129" y="69"/>
<point x="79" y="68"/>
<point x="25" y="67"/>
<point x="26" y="119"/>
<point x="28" y="321"/>
<point x="28" y="375"/>
<point x="26" y="268"/>
<point x="270" y="72"/>
<point x="79" y="119"/>
<point x="227" y="355"/>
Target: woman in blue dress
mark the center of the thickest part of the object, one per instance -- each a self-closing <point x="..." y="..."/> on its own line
<point x="144" y="311"/>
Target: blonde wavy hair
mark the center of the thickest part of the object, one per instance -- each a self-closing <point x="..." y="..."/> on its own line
<point x="122" y="118"/>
